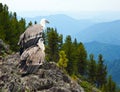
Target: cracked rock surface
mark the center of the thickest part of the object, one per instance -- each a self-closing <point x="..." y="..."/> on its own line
<point x="48" y="78"/>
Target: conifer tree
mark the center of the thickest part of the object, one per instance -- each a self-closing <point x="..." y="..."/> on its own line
<point x="1" y="7"/>
<point x="75" y="43"/>
<point x="75" y="48"/>
<point x="68" y="48"/>
<point x="111" y="85"/>
<point x="10" y="28"/>
<point x="92" y="69"/>
<point x="81" y="59"/>
<point x="30" y="23"/>
<point x="60" y="39"/>
<point x="52" y="44"/>
<point x="4" y="21"/>
<point x="101" y="72"/>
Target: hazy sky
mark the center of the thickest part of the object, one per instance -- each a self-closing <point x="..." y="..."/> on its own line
<point x="62" y="6"/>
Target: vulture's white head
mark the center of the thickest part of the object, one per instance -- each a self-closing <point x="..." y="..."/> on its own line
<point x="43" y="22"/>
<point x="41" y="44"/>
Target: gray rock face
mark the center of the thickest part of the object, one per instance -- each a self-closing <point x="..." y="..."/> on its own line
<point x="48" y="78"/>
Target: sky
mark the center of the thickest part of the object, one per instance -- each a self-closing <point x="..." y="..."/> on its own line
<point x="70" y="7"/>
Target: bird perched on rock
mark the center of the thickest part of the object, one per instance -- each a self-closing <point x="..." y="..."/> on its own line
<point x="33" y="56"/>
<point x="31" y="35"/>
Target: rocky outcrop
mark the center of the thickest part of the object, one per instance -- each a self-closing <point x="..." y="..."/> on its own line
<point x="48" y="78"/>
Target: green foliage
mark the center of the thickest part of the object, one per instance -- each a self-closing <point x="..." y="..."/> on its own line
<point x="101" y="72"/>
<point x="74" y="77"/>
<point x="63" y="60"/>
<point x="117" y="89"/>
<point x="30" y="23"/>
<point x="87" y="86"/>
<point x="92" y="69"/>
<point x="110" y="86"/>
<point x="68" y="48"/>
<point x="81" y="59"/>
<point x="10" y="27"/>
<point x="53" y="43"/>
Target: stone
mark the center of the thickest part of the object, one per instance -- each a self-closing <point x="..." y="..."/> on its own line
<point x="48" y="78"/>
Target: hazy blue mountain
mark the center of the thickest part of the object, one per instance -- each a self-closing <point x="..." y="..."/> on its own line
<point x="114" y="70"/>
<point x="65" y="25"/>
<point x="111" y="56"/>
<point x="109" y="52"/>
<point x="107" y="32"/>
<point x="83" y="30"/>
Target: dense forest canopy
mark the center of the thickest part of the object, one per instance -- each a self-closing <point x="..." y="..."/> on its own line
<point x="10" y="27"/>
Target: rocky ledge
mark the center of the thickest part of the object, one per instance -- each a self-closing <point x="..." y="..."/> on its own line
<point x="49" y="78"/>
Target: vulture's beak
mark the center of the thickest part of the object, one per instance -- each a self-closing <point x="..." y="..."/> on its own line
<point x="47" y="21"/>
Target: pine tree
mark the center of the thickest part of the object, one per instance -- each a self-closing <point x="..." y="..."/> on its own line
<point x="10" y="28"/>
<point x="92" y="69"/>
<point x="101" y="72"/>
<point x="52" y="44"/>
<point x="30" y="23"/>
<point x="81" y="59"/>
<point x="63" y="60"/>
<point x="60" y="39"/>
<point x="1" y="7"/>
<point x="68" y="48"/>
<point x="111" y="85"/>
<point x="4" y="22"/>
<point x="75" y="43"/>
<point x="75" y="48"/>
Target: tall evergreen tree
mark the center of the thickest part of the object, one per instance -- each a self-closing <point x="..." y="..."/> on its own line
<point x="92" y="69"/>
<point x="4" y="21"/>
<point x="75" y="43"/>
<point x="82" y="59"/>
<point x="30" y="23"/>
<point x="111" y="85"/>
<point x="1" y="7"/>
<point x="75" y="48"/>
<point x="68" y="48"/>
<point x="10" y="28"/>
<point x="52" y="45"/>
<point x="60" y="39"/>
<point x="101" y="72"/>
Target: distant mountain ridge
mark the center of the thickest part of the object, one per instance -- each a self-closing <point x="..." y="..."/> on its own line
<point x="110" y="52"/>
<point x="64" y="24"/>
<point x="114" y="70"/>
<point x="106" y="32"/>
<point x="85" y="30"/>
